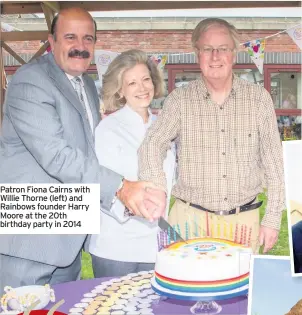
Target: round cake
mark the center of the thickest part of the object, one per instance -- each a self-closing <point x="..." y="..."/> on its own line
<point x="202" y="267"/>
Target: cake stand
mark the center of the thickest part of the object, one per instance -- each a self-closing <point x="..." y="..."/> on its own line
<point x="207" y="303"/>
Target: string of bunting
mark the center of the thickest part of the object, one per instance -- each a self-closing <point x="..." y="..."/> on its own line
<point x="254" y="47"/>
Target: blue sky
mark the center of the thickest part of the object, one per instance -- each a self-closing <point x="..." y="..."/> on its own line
<point x="274" y="291"/>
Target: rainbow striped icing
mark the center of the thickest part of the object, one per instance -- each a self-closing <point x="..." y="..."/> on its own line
<point x="203" y="266"/>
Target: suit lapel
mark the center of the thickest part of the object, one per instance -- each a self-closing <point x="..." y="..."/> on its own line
<point x="61" y="81"/>
<point x="93" y="101"/>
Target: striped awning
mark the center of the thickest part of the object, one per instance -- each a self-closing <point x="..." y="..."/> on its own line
<point x="243" y="58"/>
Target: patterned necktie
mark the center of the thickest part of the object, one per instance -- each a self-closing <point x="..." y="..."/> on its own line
<point x="79" y="89"/>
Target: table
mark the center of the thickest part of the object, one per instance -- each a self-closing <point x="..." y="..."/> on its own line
<point x="72" y="293"/>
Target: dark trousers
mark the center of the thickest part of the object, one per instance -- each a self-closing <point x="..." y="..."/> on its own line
<point x="297" y="246"/>
<point x="16" y="272"/>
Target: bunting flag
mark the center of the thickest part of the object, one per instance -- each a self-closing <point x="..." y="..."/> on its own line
<point x="160" y="60"/>
<point x="256" y="52"/>
<point x="296" y="34"/>
<point x="102" y="60"/>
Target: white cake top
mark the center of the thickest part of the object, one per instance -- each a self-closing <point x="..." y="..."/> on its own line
<point x="203" y="259"/>
<point x="205" y="249"/>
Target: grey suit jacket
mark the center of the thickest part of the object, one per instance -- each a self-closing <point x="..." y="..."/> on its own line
<point x="46" y="138"/>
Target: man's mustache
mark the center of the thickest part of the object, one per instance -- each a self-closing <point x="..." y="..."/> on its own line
<point x="77" y="53"/>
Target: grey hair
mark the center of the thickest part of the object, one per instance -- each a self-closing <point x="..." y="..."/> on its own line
<point x="204" y="25"/>
<point x="113" y="78"/>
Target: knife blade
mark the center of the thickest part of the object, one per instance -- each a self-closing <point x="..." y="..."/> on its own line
<point x="165" y="226"/>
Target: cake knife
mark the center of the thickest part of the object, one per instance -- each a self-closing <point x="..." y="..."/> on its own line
<point x="165" y="226"/>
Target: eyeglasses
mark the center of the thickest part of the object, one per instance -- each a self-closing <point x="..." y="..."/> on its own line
<point x="220" y="50"/>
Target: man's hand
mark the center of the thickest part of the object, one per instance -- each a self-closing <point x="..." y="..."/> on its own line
<point x="156" y="202"/>
<point x="267" y="237"/>
<point x="142" y="199"/>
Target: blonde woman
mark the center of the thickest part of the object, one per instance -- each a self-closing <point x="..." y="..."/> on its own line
<point x="127" y="245"/>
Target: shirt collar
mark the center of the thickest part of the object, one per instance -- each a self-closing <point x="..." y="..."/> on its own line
<point x="132" y="117"/>
<point x="235" y="86"/>
<point x="70" y="77"/>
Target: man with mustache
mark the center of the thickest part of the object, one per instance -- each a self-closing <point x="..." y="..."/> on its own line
<point x="50" y="113"/>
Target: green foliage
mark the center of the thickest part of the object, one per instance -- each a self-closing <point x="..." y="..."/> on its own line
<point x="280" y="249"/>
<point x="87" y="272"/>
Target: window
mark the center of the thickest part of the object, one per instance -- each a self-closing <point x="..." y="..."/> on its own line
<point x="284" y="84"/>
<point x="286" y="89"/>
<point x="159" y="102"/>
<point x="251" y="75"/>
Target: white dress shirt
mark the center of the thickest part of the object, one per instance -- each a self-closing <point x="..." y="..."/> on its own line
<point x="117" y="139"/>
<point x="87" y="106"/>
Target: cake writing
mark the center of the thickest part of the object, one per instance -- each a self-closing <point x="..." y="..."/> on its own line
<point x="204" y="247"/>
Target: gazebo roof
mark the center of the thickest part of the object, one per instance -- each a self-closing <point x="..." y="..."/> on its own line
<point x="27" y="7"/>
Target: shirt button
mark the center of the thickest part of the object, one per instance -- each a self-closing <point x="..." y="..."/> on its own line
<point x="223" y="153"/>
<point x="225" y="199"/>
<point x="250" y="135"/>
<point x="224" y="176"/>
<point x="222" y="130"/>
<point x="221" y="107"/>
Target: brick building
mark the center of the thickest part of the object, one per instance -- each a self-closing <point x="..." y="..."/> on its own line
<point x="172" y="36"/>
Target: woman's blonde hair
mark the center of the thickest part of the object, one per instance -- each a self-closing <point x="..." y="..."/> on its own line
<point x="204" y="25"/>
<point x="113" y="78"/>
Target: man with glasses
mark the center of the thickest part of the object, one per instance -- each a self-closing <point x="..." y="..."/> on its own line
<point x="228" y="142"/>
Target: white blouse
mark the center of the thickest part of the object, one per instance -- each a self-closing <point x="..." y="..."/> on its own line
<point x="117" y="139"/>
